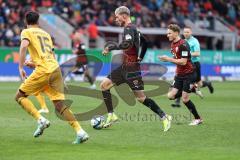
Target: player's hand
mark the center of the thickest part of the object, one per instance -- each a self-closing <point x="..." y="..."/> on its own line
<point x="105" y="51"/>
<point x="29" y="64"/>
<point x="163" y="58"/>
<point x="22" y="73"/>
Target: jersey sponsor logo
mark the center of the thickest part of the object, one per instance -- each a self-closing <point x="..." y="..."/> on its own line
<point x="128" y="37"/>
<point x="184" y="53"/>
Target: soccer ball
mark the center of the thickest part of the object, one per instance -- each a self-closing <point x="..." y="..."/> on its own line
<point x="97" y="122"/>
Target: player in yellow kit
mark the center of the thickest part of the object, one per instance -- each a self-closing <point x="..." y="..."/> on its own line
<point x="40" y="98"/>
<point x="45" y="78"/>
<point x="41" y="101"/>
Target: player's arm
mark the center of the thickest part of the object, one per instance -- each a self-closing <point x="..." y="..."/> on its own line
<point x="128" y="42"/>
<point x="182" y="61"/>
<point x="195" y="54"/>
<point x="29" y="63"/>
<point x="144" y="45"/>
<point x="22" y="51"/>
<point x="128" y="39"/>
<point x="184" y="52"/>
<point x="196" y="49"/>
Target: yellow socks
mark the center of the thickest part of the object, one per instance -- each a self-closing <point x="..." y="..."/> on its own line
<point x="68" y="116"/>
<point x="28" y="106"/>
<point x="41" y="101"/>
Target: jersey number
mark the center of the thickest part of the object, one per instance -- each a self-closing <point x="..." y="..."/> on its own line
<point x="44" y="42"/>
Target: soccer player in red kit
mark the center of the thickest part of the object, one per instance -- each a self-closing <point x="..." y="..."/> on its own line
<point x="184" y="71"/>
<point x="132" y="42"/>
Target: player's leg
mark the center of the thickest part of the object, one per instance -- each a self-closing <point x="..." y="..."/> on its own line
<point x="176" y="90"/>
<point x="32" y="85"/>
<point x="196" y="80"/>
<point x="114" y="78"/>
<point x="201" y="83"/>
<point x="90" y="79"/>
<point x="176" y="102"/>
<point x="173" y="95"/>
<point x="68" y="116"/>
<point x="41" y="101"/>
<point x="207" y="84"/>
<point x="150" y="103"/>
<point x="105" y="86"/>
<point x="26" y="104"/>
<point x="189" y="104"/>
<point x="55" y="91"/>
<point x="58" y="100"/>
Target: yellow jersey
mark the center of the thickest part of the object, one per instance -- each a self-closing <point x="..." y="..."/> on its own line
<point x="40" y="49"/>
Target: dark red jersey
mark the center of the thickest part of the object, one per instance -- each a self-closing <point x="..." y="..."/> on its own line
<point x="132" y="35"/>
<point x="181" y="49"/>
<point x="81" y="53"/>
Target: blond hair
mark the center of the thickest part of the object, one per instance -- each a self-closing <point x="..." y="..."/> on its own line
<point x="122" y="10"/>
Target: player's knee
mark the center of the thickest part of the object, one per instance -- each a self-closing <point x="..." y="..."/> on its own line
<point x="171" y="96"/>
<point x="185" y="97"/>
<point x="58" y="105"/>
<point x="185" y="100"/>
<point x="19" y="95"/>
<point x="141" y="99"/>
<point x="200" y="84"/>
<point x="103" y="86"/>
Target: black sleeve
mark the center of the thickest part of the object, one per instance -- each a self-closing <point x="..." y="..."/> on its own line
<point x="184" y="50"/>
<point x="128" y="38"/>
<point x="111" y="45"/>
<point x="144" y="45"/>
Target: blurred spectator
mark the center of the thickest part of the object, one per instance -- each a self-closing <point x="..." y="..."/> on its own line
<point x="92" y="34"/>
<point x="219" y="43"/>
<point x="145" y="13"/>
<point x="231" y="13"/>
<point x="11" y="20"/>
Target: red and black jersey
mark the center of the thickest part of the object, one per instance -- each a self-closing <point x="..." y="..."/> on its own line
<point x="181" y="49"/>
<point x="81" y="53"/>
<point x="132" y="42"/>
<point x="131" y="35"/>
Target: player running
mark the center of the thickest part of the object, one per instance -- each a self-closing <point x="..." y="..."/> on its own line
<point x="45" y="78"/>
<point x="132" y="41"/>
<point x="81" y="64"/>
<point x="184" y="71"/>
<point x="195" y="53"/>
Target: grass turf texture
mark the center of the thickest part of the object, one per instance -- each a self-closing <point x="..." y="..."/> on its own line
<point x="137" y="136"/>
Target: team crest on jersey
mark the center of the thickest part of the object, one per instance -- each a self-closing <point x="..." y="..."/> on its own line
<point x="135" y="82"/>
<point x="128" y="37"/>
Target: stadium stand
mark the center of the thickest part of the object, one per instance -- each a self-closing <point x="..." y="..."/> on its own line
<point x="145" y="13"/>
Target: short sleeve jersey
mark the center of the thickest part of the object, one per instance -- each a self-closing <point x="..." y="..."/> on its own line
<point x="194" y="47"/>
<point x="40" y="49"/>
<point x="180" y="49"/>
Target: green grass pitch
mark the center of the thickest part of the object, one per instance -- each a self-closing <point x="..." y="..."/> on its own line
<point x="137" y="136"/>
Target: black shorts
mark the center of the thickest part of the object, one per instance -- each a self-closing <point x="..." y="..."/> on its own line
<point x="127" y="74"/>
<point x="197" y="73"/>
<point x="79" y="68"/>
<point x="183" y="83"/>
